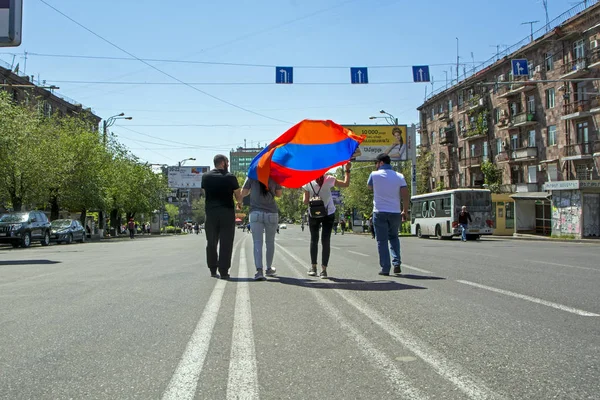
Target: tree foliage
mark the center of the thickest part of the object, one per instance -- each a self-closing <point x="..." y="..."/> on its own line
<point x="424" y="166"/>
<point x="492" y="176"/>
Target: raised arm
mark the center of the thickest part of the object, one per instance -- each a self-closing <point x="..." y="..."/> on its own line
<point x="306" y="197"/>
<point x="405" y="196"/>
<point x="346" y="181"/>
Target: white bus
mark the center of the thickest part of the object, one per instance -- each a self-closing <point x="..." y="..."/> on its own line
<point x="436" y="214"/>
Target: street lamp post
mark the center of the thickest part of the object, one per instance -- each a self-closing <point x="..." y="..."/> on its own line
<point x="180" y="163"/>
<point x="107" y="123"/>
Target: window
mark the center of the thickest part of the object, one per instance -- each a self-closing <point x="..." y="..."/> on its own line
<point x="461" y="124"/>
<point x="461" y="178"/>
<point x="441" y="109"/>
<point x="432" y="137"/>
<point x="578" y="50"/>
<point x="552" y="135"/>
<point x="461" y="99"/>
<point x="450" y="106"/>
<point x="496" y="115"/>
<point x="532" y="174"/>
<point x="498" y="146"/>
<point x="473" y="150"/>
<point x="514" y="108"/>
<point x="432" y="113"/>
<point x="583" y="172"/>
<point x="550" y="98"/>
<point x="552" y="172"/>
<point x="531" y="104"/>
<point x="485" y="151"/>
<point x="531" y="69"/>
<point x="582" y="132"/>
<point x="514" y="141"/>
<point x="549" y="61"/>
<point x="531" y="139"/>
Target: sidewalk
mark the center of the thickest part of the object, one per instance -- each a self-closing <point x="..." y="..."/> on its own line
<point x="524" y="236"/>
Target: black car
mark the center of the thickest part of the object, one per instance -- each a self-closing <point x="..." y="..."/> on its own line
<point x="67" y="230"/>
<point x="20" y="228"/>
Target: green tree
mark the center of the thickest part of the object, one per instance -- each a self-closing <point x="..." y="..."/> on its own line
<point x="358" y="195"/>
<point x="198" y="210"/>
<point x="492" y="176"/>
<point x="424" y="166"/>
<point x="173" y="212"/>
<point x="290" y="204"/>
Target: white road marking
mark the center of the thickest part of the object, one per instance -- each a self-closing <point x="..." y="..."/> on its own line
<point x="532" y="299"/>
<point x="243" y="377"/>
<point x="381" y="360"/>
<point x="359" y="254"/>
<point x="563" y="265"/>
<point x="184" y="382"/>
<point x="335" y="247"/>
<point x="416" y="269"/>
<point x="450" y="371"/>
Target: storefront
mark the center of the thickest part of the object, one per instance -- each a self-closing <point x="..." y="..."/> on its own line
<point x="533" y="213"/>
<point x="503" y="214"/>
<point x="575" y="208"/>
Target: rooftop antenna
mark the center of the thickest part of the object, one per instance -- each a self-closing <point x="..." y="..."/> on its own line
<point x="457" y="61"/>
<point x="545" y="3"/>
<point x="473" y="60"/>
<point x="531" y="26"/>
<point x="244" y="143"/>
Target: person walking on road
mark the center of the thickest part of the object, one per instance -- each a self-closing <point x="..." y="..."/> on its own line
<point x="264" y="217"/>
<point x="321" y="188"/>
<point x="342" y="225"/>
<point x="390" y="207"/>
<point x="220" y="187"/>
<point x="463" y="220"/>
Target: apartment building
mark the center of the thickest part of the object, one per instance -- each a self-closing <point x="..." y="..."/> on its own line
<point x="540" y="131"/>
<point x="240" y="158"/>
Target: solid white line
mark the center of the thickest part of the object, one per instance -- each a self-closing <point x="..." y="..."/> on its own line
<point x="416" y="269"/>
<point x="563" y="265"/>
<point x="357" y="253"/>
<point x="243" y="377"/>
<point x="335" y="247"/>
<point x="532" y="299"/>
<point x="452" y="372"/>
<point x="381" y="360"/>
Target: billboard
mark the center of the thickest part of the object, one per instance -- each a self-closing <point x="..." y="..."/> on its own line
<point x="185" y="177"/>
<point x="381" y="139"/>
<point x="11" y="19"/>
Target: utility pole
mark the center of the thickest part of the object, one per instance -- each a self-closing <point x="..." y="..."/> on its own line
<point x="545" y="3"/>
<point x="531" y="26"/>
<point x="457" y="61"/>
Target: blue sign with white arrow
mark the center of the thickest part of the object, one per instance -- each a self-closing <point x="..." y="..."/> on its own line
<point x="520" y="67"/>
<point x="420" y="73"/>
<point x="359" y="75"/>
<point x="284" y="75"/>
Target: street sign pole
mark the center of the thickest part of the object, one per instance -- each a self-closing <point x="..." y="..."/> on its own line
<point x="412" y="149"/>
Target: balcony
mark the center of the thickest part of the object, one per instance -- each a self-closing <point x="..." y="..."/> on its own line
<point x="527" y="187"/>
<point x="581" y="151"/>
<point x="447" y="165"/>
<point x="523" y="154"/>
<point x="515" y="88"/>
<point x="575" y="68"/>
<point x="472" y="162"/>
<point x="523" y="119"/>
<point x="471" y="104"/>
<point x="473" y="133"/>
<point x="447" y="137"/>
<point x="594" y="59"/>
<point x="502" y="157"/>
<point x="444" y="116"/>
<point x="580" y="109"/>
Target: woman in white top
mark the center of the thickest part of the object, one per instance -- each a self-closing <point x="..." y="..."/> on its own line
<point x="397" y="151"/>
<point x="321" y="187"/>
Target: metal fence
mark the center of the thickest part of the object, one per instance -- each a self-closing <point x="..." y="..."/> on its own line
<point x="556" y="22"/>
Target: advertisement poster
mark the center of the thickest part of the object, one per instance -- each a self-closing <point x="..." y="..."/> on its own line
<point x="185" y="177"/>
<point x="381" y="139"/>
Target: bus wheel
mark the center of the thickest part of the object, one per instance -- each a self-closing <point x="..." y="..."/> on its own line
<point x="438" y="232"/>
<point x="419" y="234"/>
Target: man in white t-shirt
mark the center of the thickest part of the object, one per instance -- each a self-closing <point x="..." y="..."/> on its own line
<point x="322" y="187"/>
<point x="390" y="206"/>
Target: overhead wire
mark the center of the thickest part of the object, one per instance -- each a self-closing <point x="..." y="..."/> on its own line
<point x="158" y="69"/>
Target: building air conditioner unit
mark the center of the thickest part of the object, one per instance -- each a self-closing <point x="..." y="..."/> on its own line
<point x="501" y="78"/>
<point x="538" y="69"/>
<point x="593" y="44"/>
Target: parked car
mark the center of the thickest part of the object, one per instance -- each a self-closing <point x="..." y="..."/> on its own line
<point x="282" y="226"/>
<point x="67" y="230"/>
<point x="21" y="228"/>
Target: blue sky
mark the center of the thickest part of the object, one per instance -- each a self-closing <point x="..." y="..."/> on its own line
<point x="182" y="122"/>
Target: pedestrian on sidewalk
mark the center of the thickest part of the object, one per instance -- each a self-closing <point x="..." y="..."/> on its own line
<point x="264" y="217"/>
<point x="342" y="225"/>
<point x="321" y="189"/>
<point x="131" y="228"/>
<point x="464" y="217"/>
<point x="220" y="187"/>
<point x="390" y="207"/>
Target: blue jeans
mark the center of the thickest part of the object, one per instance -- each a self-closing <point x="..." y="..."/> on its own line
<point x="463" y="228"/>
<point x="264" y="224"/>
<point x="386" y="230"/>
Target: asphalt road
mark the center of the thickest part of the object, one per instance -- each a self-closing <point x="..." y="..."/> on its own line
<point x="129" y="319"/>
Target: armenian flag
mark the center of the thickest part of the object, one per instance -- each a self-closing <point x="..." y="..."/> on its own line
<point x="305" y="152"/>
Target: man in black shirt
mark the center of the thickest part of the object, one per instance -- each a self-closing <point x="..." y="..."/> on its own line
<point x="219" y="187"/>
<point x="463" y="220"/>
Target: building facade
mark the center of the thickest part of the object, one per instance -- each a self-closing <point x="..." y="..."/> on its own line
<point x="536" y="130"/>
<point x="240" y="158"/>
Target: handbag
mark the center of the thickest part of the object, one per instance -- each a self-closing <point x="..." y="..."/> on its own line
<point x="316" y="206"/>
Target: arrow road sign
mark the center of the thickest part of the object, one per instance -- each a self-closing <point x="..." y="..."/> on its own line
<point x="520" y="67"/>
<point x="421" y="73"/>
<point x="359" y="75"/>
<point x="284" y="75"/>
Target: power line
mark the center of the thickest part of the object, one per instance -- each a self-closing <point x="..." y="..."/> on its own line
<point x="232" y="64"/>
<point x="193" y="84"/>
<point x="158" y="69"/>
<point x="201" y="125"/>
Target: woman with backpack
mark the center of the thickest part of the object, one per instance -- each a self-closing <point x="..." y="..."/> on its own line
<point x="321" y="215"/>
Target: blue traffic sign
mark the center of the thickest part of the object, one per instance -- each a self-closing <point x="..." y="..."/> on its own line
<point x="421" y="73"/>
<point x="520" y="67"/>
<point x="284" y="75"/>
<point x="359" y="75"/>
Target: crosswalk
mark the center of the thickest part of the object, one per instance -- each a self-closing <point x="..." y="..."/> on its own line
<point x="341" y="308"/>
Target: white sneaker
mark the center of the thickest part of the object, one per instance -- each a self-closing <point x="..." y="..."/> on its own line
<point x="271" y="272"/>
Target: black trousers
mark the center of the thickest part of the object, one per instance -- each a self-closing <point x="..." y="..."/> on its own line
<point x="220" y="231"/>
<point x="314" y="224"/>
